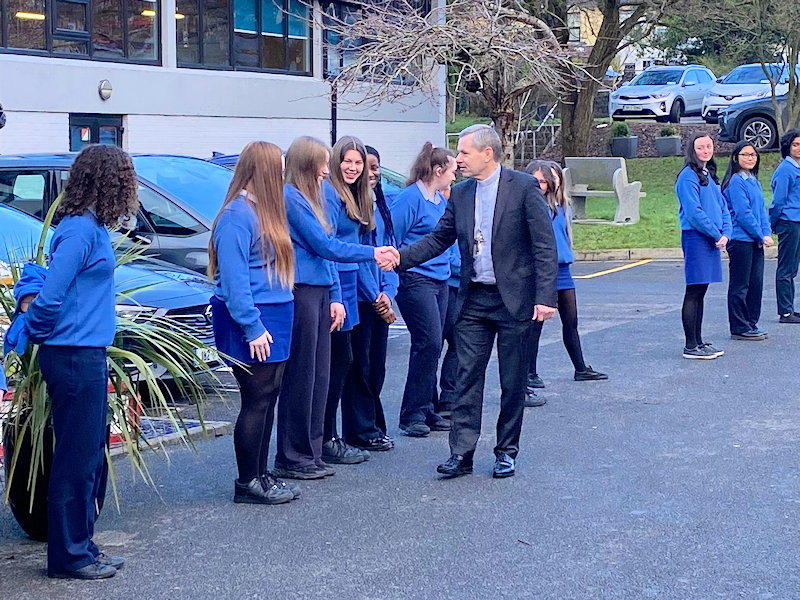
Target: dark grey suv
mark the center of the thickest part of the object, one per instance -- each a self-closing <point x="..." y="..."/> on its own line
<point x="179" y="196"/>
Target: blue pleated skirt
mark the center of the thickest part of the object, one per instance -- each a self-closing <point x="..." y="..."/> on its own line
<point x="348" y="280"/>
<point x="702" y="261"/>
<point x="564" y="281"/>
<point x="230" y="338"/>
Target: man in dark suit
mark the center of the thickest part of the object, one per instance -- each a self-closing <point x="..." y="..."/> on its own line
<point x="508" y="277"/>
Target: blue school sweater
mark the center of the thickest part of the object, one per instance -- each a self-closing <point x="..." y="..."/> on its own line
<point x="387" y="280"/>
<point x="454" y="255"/>
<point x="414" y="216"/>
<point x="314" y="249"/>
<point x="702" y="207"/>
<point x="563" y="244"/>
<point x="785" y="192"/>
<point x="241" y="280"/>
<point x="347" y="230"/>
<point x="76" y="304"/>
<point x="747" y="207"/>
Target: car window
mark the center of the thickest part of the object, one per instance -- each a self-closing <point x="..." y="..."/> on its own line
<point x="660" y="77"/>
<point x="691" y="77"/>
<point x="166" y="217"/>
<point x="704" y="76"/>
<point x="751" y="74"/>
<point x="24" y="191"/>
<point x="199" y="183"/>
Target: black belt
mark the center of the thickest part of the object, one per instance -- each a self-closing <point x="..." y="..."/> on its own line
<point x="489" y="287"/>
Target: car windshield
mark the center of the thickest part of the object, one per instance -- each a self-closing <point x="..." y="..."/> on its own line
<point x="668" y="77"/>
<point x="752" y="74"/>
<point x="196" y="182"/>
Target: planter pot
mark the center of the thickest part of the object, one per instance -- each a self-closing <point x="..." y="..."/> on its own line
<point x="33" y="518"/>
<point x="668" y="146"/>
<point x="625" y="147"/>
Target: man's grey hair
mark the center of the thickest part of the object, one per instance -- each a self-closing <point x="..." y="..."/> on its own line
<point x="483" y="136"/>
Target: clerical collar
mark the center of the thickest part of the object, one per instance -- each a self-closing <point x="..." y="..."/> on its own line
<point x="491" y="179"/>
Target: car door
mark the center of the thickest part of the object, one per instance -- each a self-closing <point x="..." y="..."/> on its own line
<point x="692" y="92"/>
<point x="26" y="190"/>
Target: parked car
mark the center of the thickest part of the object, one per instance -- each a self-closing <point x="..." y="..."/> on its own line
<point x="391" y="181"/>
<point x="179" y="197"/>
<point x="752" y="120"/>
<point x="745" y="82"/>
<point x="663" y="93"/>
<point x="155" y="288"/>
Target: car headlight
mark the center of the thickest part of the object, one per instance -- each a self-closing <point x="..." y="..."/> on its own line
<point x="134" y="312"/>
<point x="659" y="95"/>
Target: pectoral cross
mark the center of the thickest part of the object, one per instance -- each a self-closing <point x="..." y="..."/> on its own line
<point x="479" y="242"/>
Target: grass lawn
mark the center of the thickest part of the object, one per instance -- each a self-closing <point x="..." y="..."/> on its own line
<point x="658" y="227"/>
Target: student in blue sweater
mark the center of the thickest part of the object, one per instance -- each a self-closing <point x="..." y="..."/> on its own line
<point x="705" y="230"/>
<point x="363" y="420"/>
<point x="549" y="177"/>
<point x="784" y="216"/>
<point x="422" y="296"/>
<point x="318" y="310"/>
<point x="750" y="233"/>
<point x="351" y="213"/>
<point x="73" y="320"/>
<point x="251" y="261"/>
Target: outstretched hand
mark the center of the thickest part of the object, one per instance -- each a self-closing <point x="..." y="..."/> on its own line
<point x="542" y="312"/>
<point x="387" y="257"/>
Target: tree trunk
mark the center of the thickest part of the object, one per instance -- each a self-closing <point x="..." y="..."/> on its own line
<point x="577" y="119"/>
<point x="504" y="121"/>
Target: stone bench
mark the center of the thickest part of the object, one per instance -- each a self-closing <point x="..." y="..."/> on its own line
<point x="602" y="177"/>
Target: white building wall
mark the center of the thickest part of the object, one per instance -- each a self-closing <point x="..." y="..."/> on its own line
<point x="34" y="132"/>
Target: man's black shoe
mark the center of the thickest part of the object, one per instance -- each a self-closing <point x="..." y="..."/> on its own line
<point x="589" y="374"/>
<point x="416" y="430"/>
<point x="532" y="399"/>
<point x="534" y="381"/>
<point x="790" y="318"/>
<point x="337" y="452"/>
<point x="95" y="570"/>
<point x="112" y="561"/>
<point x="255" y="492"/>
<point x="456" y="466"/>
<point x="504" y="466"/>
<point x="380" y="444"/>
<point x="309" y="472"/>
<point x="438" y="423"/>
<point x="750" y="336"/>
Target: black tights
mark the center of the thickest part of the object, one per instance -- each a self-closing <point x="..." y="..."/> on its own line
<point x="692" y="313"/>
<point x="568" y="311"/>
<point x="341" y="359"/>
<point x="259" y="391"/>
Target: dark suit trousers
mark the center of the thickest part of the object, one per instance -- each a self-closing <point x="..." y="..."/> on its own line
<point x="788" y="261"/>
<point x="745" y="284"/>
<point x="304" y="390"/>
<point x="483" y="317"/>
<point x="449" y="374"/>
<point x="362" y="411"/>
<point x="423" y="304"/>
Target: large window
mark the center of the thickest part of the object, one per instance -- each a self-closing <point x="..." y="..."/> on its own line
<point x="121" y="30"/>
<point x="271" y="35"/>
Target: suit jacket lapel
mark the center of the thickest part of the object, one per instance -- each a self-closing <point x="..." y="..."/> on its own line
<point x="468" y="203"/>
<point x="500" y="202"/>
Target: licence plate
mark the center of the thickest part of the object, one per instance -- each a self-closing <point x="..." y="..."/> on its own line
<point x="632" y="107"/>
<point x="207" y="355"/>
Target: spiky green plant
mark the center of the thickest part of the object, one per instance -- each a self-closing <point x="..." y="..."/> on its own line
<point x="139" y="345"/>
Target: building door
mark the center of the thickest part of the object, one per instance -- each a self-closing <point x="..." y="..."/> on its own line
<point x="94" y="129"/>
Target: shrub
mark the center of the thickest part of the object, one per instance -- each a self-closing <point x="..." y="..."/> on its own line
<point x="620" y="129"/>
<point x="668" y="131"/>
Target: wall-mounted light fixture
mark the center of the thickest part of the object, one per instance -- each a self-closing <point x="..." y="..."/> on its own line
<point x="104" y="89"/>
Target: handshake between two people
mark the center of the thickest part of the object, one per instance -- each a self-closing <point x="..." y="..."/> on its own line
<point x="387" y="257"/>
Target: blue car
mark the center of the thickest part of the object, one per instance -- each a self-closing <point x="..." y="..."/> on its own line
<point x="752" y="120"/>
<point x="153" y="287"/>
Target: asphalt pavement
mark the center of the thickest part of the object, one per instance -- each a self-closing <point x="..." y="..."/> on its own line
<point x="675" y="479"/>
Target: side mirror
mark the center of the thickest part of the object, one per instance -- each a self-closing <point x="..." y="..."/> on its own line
<point x="624" y="83"/>
<point x="688" y="83"/>
<point x="719" y="80"/>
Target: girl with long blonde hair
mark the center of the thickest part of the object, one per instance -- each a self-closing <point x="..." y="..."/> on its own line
<point x="251" y="261"/>
<point x="318" y="310"/>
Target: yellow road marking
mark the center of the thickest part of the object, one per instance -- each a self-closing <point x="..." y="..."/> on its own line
<point x="638" y="263"/>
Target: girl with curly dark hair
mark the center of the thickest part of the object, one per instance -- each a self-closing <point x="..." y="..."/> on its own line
<point x="73" y="320"/>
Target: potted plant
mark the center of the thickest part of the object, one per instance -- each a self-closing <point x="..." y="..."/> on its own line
<point x="668" y="142"/>
<point x="140" y="344"/>
<point x="623" y="144"/>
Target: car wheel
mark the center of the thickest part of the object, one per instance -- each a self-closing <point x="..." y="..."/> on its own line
<point x="676" y="112"/>
<point x="760" y="132"/>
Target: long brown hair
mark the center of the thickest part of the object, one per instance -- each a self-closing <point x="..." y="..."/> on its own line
<point x="304" y="159"/>
<point x="357" y="197"/>
<point x="426" y="162"/>
<point x="258" y="172"/>
<point x="551" y="172"/>
<point x="562" y="197"/>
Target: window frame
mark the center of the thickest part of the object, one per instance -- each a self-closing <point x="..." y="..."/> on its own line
<point x="51" y="33"/>
<point x="231" y="66"/>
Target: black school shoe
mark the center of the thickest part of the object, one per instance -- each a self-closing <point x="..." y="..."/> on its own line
<point x="256" y="491"/>
<point x="589" y="374"/>
<point x="337" y="452"/>
<point x="437" y="422"/>
<point x="95" y="570"/>
<point x="790" y="318"/>
<point x="112" y="561"/>
<point x="750" y="336"/>
<point x="380" y="444"/>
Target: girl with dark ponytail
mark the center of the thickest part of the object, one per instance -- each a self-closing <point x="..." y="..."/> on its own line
<point x="363" y="421"/>
<point x="422" y="297"/>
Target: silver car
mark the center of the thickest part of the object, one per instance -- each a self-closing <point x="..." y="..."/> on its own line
<point x="745" y="82"/>
<point x="663" y="93"/>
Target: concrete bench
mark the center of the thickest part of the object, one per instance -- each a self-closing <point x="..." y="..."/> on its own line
<point x="602" y="177"/>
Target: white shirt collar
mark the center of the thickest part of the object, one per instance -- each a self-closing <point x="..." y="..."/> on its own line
<point x="491" y="179"/>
